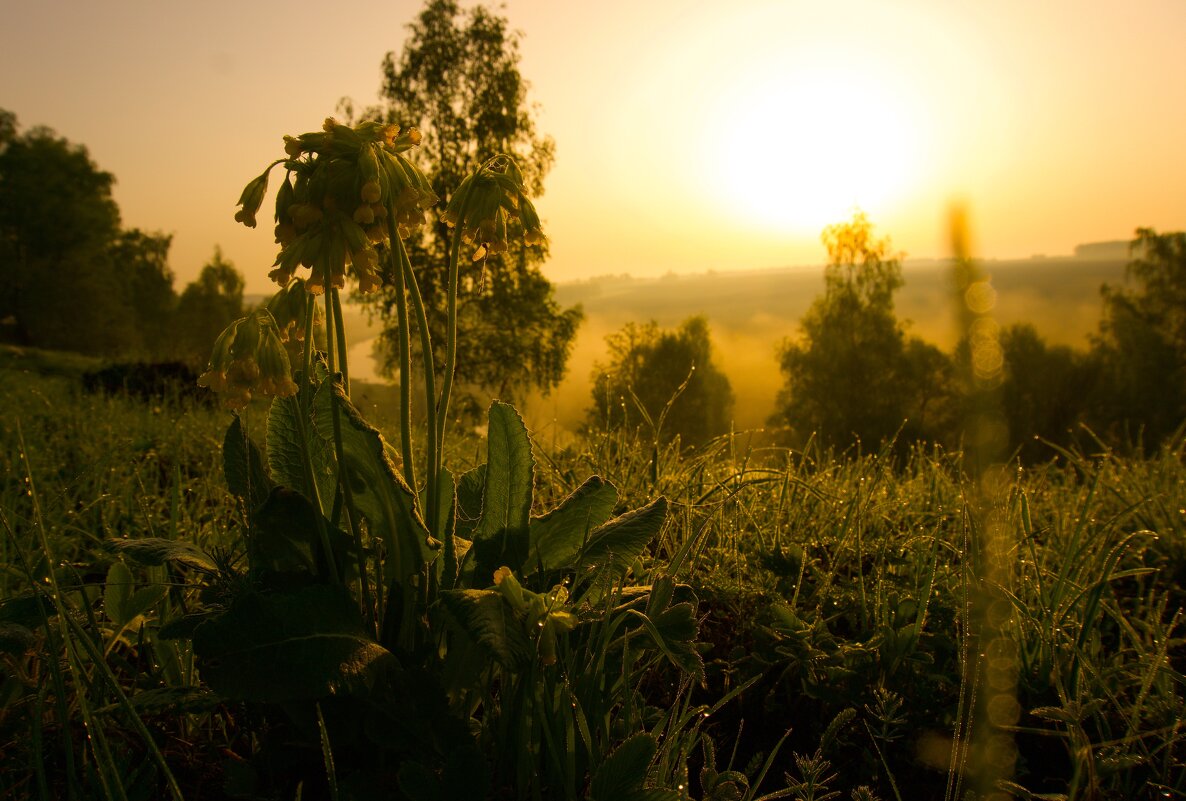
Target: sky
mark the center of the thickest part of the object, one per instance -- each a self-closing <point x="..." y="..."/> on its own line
<point x="690" y="136"/>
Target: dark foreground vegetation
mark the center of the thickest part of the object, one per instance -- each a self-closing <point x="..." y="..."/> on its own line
<point x="816" y="629"/>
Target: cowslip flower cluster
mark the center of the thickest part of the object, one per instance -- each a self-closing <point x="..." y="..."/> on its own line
<point x="484" y="202"/>
<point x="249" y="356"/>
<point x="543" y="612"/>
<point x="343" y="188"/>
<point x="288" y="308"/>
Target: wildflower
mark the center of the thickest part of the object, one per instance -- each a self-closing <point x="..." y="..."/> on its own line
<point x="288" y="308"/>
<point x="251" y="199"/>
<point x="292" y="146"/>
<point x="484" y="201"/>
<point x="345" y="190"/>
<point x="249" y="356"/>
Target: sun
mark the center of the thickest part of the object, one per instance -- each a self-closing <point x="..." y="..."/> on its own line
<point x="801" y="148"/>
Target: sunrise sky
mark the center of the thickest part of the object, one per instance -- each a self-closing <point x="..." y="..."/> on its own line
<point x="690" y="135"/>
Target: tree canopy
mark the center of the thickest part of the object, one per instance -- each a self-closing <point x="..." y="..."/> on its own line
<point x="655" y="374"/>
<point x="457" y="79"/>
<point x="852" y="373"/>
<point x="74" y="279"/>
<point x="1141" y="346"/>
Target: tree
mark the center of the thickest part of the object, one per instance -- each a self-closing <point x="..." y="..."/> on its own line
<point x="57" y="221"/>
<point x="458" y="81"/>
<point x="142" y="260"/>
<point x="1141" y="346"/>
<point x="651" y="368"/>
<point x="852" y="373"/>
<point x="1045" y="390"/>
<point x="207" y="306"/>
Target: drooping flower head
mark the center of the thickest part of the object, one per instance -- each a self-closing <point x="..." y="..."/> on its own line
<point x="483" y="203"/>
<point x="344" y="190"/>
<point x="249" y="356"/>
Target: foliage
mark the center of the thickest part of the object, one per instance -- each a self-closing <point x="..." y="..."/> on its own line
<point x="853" y="374"/>
<point x="457" y="80"/>
<point x="74" y="280"/>
<point x="427" y="637"/>
<point x="664" y="379"/>
<point x="1045" y="392"/>
<point x="840" y="584"/>
<point x="208" y="304"/>
<point x="142" y="259"/>
<point x="57" y="220"/>
<point x="1141" y="347"/>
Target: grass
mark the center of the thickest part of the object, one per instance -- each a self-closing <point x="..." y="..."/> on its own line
<point x="838" y="593"/>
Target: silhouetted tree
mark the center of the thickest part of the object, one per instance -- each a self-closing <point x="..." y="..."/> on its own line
<point x="1045" y="391"/>
<point x="457" y="80"/>
<point x="1141" y="346"/>
<point x="651" y="368"/>
<point x="57" y="221"/>
<point x="852" y="373"/>
<point x="205" y="308"/>
<point x="142" y="262"/>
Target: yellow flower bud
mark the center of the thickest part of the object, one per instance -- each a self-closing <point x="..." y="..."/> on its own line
<point x="292" y="146"/>
<point x="370" y="192"/>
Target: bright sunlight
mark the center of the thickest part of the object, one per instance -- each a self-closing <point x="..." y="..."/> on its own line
<point x="819" y="139"/>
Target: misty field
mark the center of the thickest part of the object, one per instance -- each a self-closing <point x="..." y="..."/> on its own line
<point x="818" y="631"/>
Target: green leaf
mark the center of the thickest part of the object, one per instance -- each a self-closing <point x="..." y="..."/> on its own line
<point x="624" y="772"/>
<point x="286" y="539"/>
<point x="674" y="633"/>
<point x="377" y="489"/>
<point x="614" y="547"/>
<point x="501" y="536"/>
<point x="290" y="646"/>
<point x="243" y="466"/>
<point x="286" y="452"/>
<point x="558" y="537"/>
<point x="153" y="551"/>
<point x="490" y="622"/>
<point x="144" y="599"/>
<point x="469" y="493"/>
<point x="117" y="592"/>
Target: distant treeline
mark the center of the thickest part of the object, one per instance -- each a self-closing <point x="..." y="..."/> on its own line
<point x="856" y="373"/>
<point x="76" y="280"/>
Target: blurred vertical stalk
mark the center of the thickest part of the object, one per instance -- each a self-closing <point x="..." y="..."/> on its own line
<point x="991" y="670"/>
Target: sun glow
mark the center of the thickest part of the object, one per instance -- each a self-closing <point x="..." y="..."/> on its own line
<point x="809" y="142"/>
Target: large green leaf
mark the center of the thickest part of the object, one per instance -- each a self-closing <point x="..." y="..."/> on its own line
<point x="558" y="537"/>
<point x="613" y="548"/>
<point x="117" y="592"/>
<point x="286" y="539"/>
<point x="290" y="646"/>
<point x="491" y="623"/>
<point x="674" y="632"/>
<point x="158" y="551"/>
<point x="501" y="535"/>
<point x="623" y="774"/>
<point x="376" y="487"/>
<point x="243" y="466"/>
<point x="286" y="451"/>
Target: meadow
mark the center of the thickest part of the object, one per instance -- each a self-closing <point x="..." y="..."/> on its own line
<point x="807" y="625"/>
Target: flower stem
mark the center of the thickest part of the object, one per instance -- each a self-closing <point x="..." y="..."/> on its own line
<point x="340" y="331"/>
<point x="434" y="443"/>
<point x="405" y="356"/>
